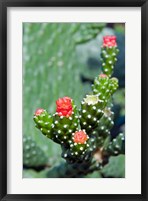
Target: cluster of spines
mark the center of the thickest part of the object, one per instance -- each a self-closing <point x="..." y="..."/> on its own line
<point x="109" y="58"/>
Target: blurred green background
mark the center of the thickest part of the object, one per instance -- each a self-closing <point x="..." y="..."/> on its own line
<point x="62" y="59"/>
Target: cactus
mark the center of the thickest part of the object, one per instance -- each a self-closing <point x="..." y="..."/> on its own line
<point x="109" y="54"/>
<point x="116" y="146"/>
<point x="84" y="134"/>
<point x="33" y="156"/>
<point x="45" y="57"/>
<point x="115" y="167"/>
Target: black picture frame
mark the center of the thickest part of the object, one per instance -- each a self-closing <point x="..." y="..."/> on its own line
<point x="4" y="4"/>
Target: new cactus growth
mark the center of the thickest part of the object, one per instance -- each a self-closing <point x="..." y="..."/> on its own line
<point x="84" y="134"/>
<point x="109" y="54"/>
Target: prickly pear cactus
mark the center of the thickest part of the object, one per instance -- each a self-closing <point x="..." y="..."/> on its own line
<point x="84" y="133"/>
<point x="33" y="155"/>
<point x="115" y="167"/>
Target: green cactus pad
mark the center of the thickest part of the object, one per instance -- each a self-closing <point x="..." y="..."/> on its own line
<point x="115" y="168"/>
<point x="44" y="123"/>
<point x="75" y="170"/>
<point x="87" y="31"/>
<point x="33" y="155"/>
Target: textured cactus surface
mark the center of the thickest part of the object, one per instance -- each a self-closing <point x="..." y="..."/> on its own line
<point x="33" y="155"/>
<point x="76" y="122"/>
<point x="115" y="168"/>
<point x="51" y="69"/>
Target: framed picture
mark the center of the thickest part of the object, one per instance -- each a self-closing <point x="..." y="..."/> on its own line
<point x="73" y="100"/>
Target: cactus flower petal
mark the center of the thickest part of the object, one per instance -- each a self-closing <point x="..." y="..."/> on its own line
<point x="80" y="137"/>
<point x="103" y="75"/>
<point x="64" y="106"/>
<point x="91" y="99"/>
<point x="109" y="41"/>
<point x="38" y="111"/>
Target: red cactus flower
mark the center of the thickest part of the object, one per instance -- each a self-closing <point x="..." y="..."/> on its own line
<point x="80" y="137"/>
<point x="103" y="75"/>
<point x="64" y="106"/>
<point x="109" y="41"/>
<point x="38" y="111"/>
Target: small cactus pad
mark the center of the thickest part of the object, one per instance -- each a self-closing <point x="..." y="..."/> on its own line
<point x="33" y="155"/>
<point x="44" y="122"/>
